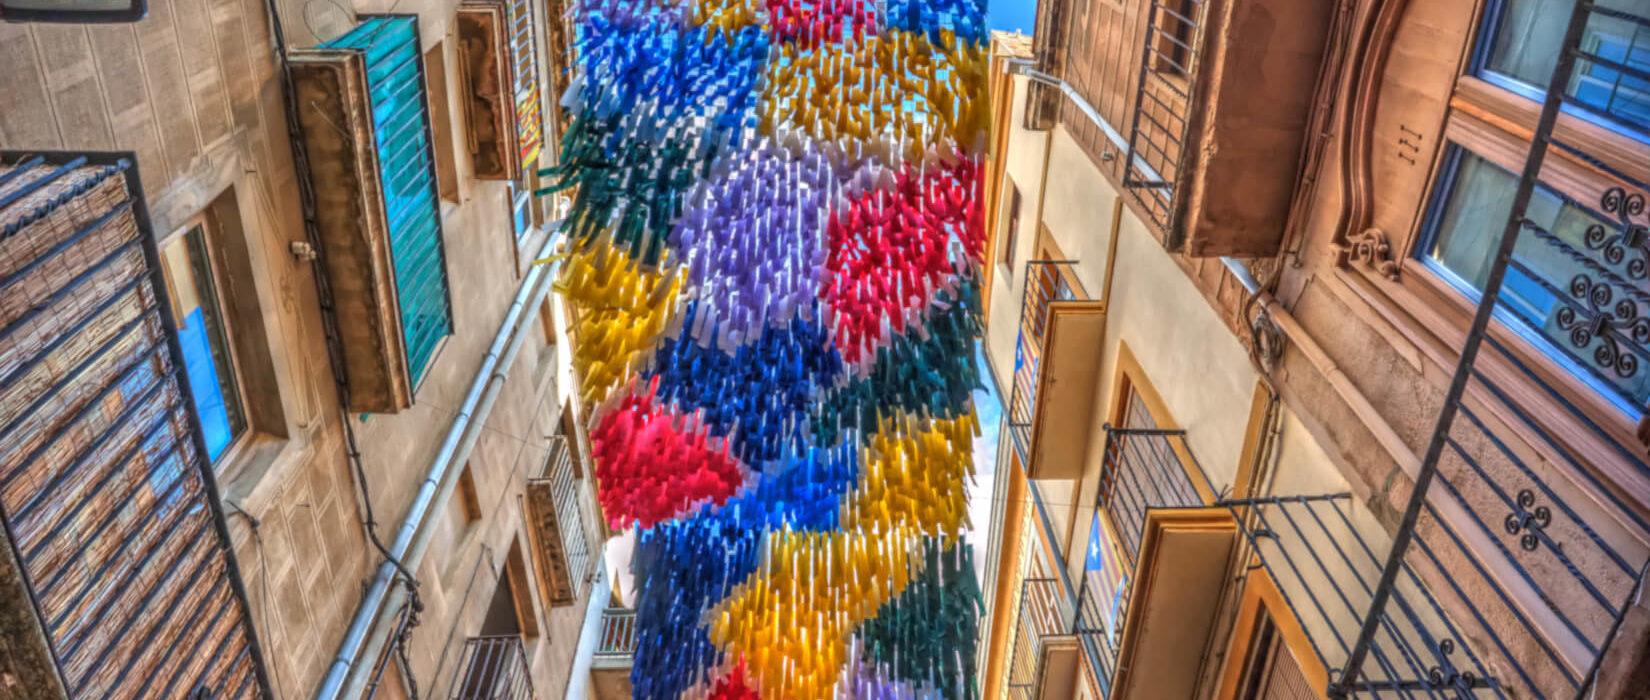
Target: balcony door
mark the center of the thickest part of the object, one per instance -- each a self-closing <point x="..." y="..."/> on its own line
<point x="1271" y="671"/>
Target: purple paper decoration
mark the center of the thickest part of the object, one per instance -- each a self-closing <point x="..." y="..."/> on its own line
<point x="751" y="237"/>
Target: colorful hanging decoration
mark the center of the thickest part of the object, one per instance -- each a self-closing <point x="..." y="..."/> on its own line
<point x="776" y="246"/>
<point x="750" y="238"/>
<point x="921" y="637"/>
<point x="620" y="310"/>
<point x="656" y="465"/>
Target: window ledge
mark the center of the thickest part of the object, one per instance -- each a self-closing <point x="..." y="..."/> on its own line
<point x="254" y="470"/>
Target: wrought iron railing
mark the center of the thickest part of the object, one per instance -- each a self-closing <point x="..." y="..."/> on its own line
<point x="618" y="634"/>
<point x="565" y="487"/>
<point x="1599" y="314"/>
<point x="495" y="668"/>
<point x="1041" y="603"/>
<point x="1163" y="104"/>
<point x="1321" y="552"/>
<point x="1046" y="281"/>
<point x="1141" y="469"/>
<point x="1512" y="563"/>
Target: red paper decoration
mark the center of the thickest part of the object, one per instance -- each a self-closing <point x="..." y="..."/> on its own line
<point x="655" y="465"/>
<point x="732" y="686"/>
<point x="810" y="22"/>
<point x="889" y="251"/>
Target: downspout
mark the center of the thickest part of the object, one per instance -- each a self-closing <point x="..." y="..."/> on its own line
<point x="346" y="677"/>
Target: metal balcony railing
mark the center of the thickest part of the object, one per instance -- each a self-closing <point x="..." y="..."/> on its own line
<point x="565" y="488"/>
<point x="1041" y="600"/>
<point x="618" y="634"/>
<point x="495" y="668"/>
<point x="1141" y="469"/>
<point x="1046" y="281"/>
<point x="1513" y="561"/>
<point x="1163" y="104"/>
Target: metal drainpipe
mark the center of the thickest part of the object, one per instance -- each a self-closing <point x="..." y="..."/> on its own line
<point x="368" y="631"/>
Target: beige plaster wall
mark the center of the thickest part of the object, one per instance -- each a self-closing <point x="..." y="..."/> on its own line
<point x="1023" y="164"/>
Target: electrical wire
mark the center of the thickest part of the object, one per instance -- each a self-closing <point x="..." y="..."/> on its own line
<point x="329" y="318"/>
<point x="263" y="575"/>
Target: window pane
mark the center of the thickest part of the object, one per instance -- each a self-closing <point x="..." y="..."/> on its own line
<point x="1527" y="38"/>
<point x="210" y="369"/>
<point x="1562" y="283"/>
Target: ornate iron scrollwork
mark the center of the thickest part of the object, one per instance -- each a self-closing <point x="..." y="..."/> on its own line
<point x="1608" y="319"/>
<point x="1527" y="523"/>
<point x="1614" y="246"/>
<point x="1445" y="674"/>
<point x="1603" y="308"/>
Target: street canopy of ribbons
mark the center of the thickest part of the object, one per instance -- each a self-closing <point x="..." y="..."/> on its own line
<point x="776" y="240"/>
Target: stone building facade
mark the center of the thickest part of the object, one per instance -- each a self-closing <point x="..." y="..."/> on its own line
<point x="1239" y="249"/>
<point x="192" y="98"/>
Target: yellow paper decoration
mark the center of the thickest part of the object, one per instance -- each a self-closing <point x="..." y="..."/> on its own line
<point x="623" y="310"/>
<point x="914" y="477"/>
<point x="792" y="622"/>
<point x="729" y="15"/>
<point x="899" y="92"/>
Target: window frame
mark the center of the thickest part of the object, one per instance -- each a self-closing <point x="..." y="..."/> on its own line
<point x="1483" y="43"/>
<point x="1425" y="318"/>
<point x="1262" y="603"/>
<point x="1010" y="225"/>
<point x="1421" y="314"/>
<point x="1440" y="194"/>
<point x="206" y="222"/>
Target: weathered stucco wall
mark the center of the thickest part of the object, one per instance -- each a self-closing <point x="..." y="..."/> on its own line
<point x="192" y="90"/>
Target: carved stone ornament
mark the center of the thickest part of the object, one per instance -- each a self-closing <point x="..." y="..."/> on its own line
<point x="1268" y="341"/>
<point x="1370" y="247"/>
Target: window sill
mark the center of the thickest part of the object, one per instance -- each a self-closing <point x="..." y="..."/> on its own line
<point x="257" y="464"/>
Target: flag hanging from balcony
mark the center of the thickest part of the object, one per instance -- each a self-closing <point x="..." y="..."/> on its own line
<point x="777" y="239"/>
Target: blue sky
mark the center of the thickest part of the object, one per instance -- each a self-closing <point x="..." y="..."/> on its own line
<point x="1013" y="15"/>
<point x="989" y="408"/>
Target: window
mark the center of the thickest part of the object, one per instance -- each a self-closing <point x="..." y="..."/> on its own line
<point x="1612" y="81"/>
<point x="1270" y="672"/>
<point x="458" y="522"/>
<point x="1011" y="226"/>
<point x="388" y="46"/>
<point x="520" y="593"/>
<point x="1567" y="287"/>
<point x="524" y="54"/>
<point x="520" y="195"/>
<point x="191" y="274"/>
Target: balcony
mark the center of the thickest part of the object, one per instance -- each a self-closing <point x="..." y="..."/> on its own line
<point x="1056" y="370"/>
<point x="1044" y="660"/>
<point x="499" y="74"/>
<point x="106" y="488"/>
<point x="615" y="652"/>
<point x="617" y="643"/>
<point x="495" y="668"/>
<point x="1523" y="540"/>
<point x="555" y="516"/>
<point x="1152" y="576"/>
<point x="1513" y="577"/>
<point x="1232" y="193"/>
